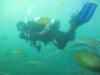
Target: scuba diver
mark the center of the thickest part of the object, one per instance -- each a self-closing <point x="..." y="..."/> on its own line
<point x="45" y="30"/>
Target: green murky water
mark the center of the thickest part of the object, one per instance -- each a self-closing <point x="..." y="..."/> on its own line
<point x="17" y="57"/>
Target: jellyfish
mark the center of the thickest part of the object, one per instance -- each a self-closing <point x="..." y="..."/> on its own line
<point x="88" y="60"/>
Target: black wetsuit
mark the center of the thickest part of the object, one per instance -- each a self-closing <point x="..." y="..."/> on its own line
<point x="54" y="34"/>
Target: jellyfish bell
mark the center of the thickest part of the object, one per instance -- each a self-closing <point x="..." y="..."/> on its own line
<point x="88" y="60"/>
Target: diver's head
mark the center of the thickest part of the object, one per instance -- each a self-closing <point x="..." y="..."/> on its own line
<point x="21" y="25"/>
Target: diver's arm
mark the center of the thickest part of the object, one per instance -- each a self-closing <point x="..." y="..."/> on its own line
<point x="23" y="36"/>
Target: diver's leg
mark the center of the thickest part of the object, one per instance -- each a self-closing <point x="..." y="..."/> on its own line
<point x="63" y="38"/>
<point x="78" y="18"/>
<point x="82" y="17"/>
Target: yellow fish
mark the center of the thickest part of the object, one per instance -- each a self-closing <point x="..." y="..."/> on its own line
<point x="3" y="37"/>
<point x="87" y="73"/>
<point x="2" y="60"/>
<point x="92" y="41"/>
<point x="4" y="73"/>
<point x="59" y="3"/>
<point x="19" y="52"/>
<point x="33" y="62"/>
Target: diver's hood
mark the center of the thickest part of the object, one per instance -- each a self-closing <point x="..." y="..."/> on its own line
<point x="46" y="22"/>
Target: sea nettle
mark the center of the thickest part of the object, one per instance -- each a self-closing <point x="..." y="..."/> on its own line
<point x="88" y="60"/>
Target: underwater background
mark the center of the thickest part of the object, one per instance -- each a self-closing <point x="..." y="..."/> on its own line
<point x="17" y="57"/>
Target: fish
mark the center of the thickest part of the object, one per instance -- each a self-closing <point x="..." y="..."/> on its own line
<point x="59" y="3"/>
<point x="2" y="60"/>
<point x="33" y="62"/>
<point x="4" y="73"/>
<point x="3" y="37"/>
<point x="91" y="43"/>
<point x="19" y="52"/>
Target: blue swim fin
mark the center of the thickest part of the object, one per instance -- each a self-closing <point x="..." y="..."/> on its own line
<point x="83" y="15"/>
